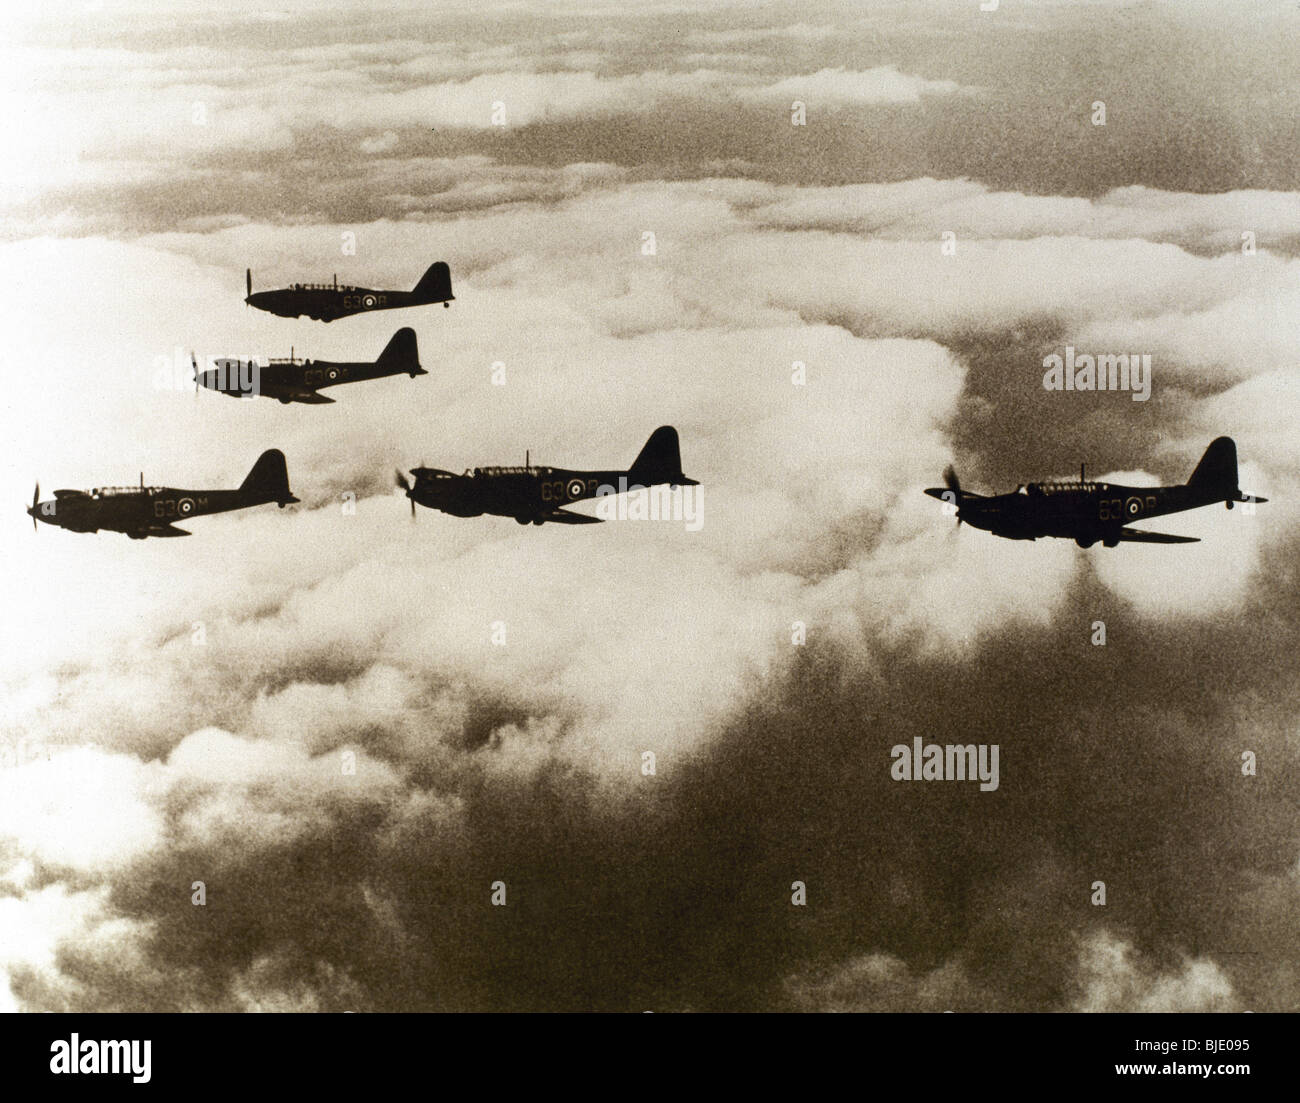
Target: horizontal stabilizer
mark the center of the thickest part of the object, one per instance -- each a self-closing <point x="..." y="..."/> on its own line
<point x="167" y="530"/>
<point x="1138" y="536"/>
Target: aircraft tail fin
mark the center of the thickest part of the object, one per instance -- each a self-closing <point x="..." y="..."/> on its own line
<point x="268" y="481"/>
<point x="401" y="353"/>
<point x="1215" y="476"/>
<point x="435" y="284"/>
<point x="660" y="461"/>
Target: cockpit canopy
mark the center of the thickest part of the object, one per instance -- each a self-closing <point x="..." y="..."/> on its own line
<point x="119" y="491"/>
<point x="508" y="471"/>
<point x="1060" y="486"/>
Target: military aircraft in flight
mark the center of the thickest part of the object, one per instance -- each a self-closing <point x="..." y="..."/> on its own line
<point x="327" y="301"/>
<point x="538" y="494"/>
<point x="153" y="510"/>
<point x="294" y="380"/>
<point x="1090" y="511"/>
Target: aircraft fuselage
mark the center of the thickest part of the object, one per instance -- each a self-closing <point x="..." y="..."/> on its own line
<point x="1086" y="513"/>
<point x="539" y="494"/>
<point x="140" y="511"/>
<point x="137" y="511"/>
<point x="325" y="304"/>
<point x="293" y="381"/>
<point x="525" y="494"/>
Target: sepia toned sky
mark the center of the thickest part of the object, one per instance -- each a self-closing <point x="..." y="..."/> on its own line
<point x="178" y="710"/>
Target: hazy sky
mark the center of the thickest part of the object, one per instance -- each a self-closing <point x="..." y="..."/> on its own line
<point x="178" y="710"/>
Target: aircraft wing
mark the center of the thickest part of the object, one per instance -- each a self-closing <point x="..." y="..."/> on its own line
<point x="296" y="394"/>
<point x="1156" y="537"/>
<point x="564" y="517"/>
<point x="152" y="530"/>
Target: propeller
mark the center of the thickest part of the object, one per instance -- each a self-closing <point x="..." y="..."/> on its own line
<point x="248" y="284"/>
<point x="405" y="484"/>
<point x="36" y="498"/>
<point x="953" y="483"/>
<point x="194" y="360"/>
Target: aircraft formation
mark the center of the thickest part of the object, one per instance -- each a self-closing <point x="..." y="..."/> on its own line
<point x="1084" y="511"/>
<point x="529" y="494"/>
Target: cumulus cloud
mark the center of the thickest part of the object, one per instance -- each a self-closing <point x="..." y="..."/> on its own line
<point x="1113" y="981"/>
<point x="306" y="710"/>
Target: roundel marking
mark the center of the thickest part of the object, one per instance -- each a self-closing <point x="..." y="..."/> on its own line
<point x="1134" y="506"/>
<point x="334" y="373"/>
<point x="185" y="506"/>
<point x="368" y="301"/>
<point x="575" y="488"/>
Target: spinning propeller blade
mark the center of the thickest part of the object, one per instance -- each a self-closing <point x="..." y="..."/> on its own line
<point x="953" y="483"/>
<point x="405" y="484"/>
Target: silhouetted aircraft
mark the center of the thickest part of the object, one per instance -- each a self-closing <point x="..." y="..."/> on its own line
<point x="327" y="301"/>
<point x="151" y="510"/>
<point x="537" y="494"/>
<point x="295" y="380"/>
<point x="1089" y="511"/>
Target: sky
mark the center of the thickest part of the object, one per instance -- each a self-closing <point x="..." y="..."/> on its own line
<point x="305" y="709"/>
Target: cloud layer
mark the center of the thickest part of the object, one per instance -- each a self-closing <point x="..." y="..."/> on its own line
<point x="348" y="726"/>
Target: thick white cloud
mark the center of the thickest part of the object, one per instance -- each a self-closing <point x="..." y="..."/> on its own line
<point x="1114" y="978"/>
<point x="200" y="703"/>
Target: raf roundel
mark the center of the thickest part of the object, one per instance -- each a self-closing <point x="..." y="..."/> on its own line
<point x="185" y="506"/>
<point x="575" y="488"/>
<point x="368" y="301"/>
<point x="1134" y="506"/>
